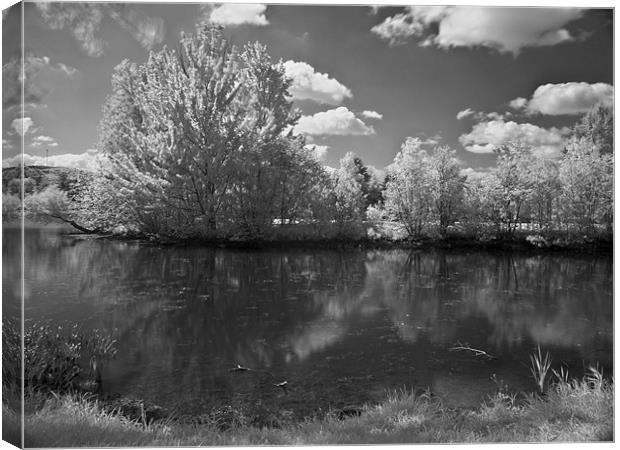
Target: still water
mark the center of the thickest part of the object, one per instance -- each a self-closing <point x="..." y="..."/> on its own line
<point x="341" y="327"/>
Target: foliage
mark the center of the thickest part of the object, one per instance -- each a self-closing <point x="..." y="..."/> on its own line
<point x="347" y="195"/>
<point x="197" y="141"/>
<point x="407" y="194"/>
<point x="598" y="126"/>
<point x="586" y="177"/>
<point x="52" y="204"/>
<point x="11" y="208"/>
<point x="447" y="187"/>
<point x="54" y="358"/>
<point x="511" y="186"/>
<point x="425" y="188"/>
<point x="545" y="192"/>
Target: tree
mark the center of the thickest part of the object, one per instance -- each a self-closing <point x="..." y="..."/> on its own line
<point x="598" y="126"/>
<point x="10" y="208"/>
<point x="407" y="194"/>
<point x="52" y="204"/>
<point x="447" y="187"/>
<point x="348" y="198"/>
<point x="586" y="176"/>
<point x="545" y="191"/>
<point x="511" y="185"/>
<point x="195" y="136"/>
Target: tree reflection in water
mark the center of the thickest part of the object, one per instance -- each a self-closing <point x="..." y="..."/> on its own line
<point x="341" y="327"/>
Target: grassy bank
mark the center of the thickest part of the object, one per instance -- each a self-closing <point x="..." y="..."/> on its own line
<point x="569" y="411"/>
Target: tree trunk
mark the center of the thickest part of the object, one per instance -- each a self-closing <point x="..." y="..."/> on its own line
<point x="81" y="228"/>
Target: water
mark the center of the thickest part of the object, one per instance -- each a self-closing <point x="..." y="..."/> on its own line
<point x="342" y="327"/>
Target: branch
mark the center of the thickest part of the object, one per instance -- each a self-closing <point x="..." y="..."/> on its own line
<point x="475" y="351"/>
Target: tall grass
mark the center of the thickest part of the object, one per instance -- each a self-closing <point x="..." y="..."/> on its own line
<point x="55" y="359"/>
<point x="539" y="368"/>
<point x="575" y="410"/>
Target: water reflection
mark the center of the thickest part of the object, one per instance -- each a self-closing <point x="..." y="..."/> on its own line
<point x="341" y="327"/>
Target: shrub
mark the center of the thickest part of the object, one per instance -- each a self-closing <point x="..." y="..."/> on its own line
<point x="54" y="358"/>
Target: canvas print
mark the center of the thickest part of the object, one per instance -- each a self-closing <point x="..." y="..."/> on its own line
<point x="261" y="224"/>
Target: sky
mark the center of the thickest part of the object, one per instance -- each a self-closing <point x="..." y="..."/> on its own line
<point x="364" y="78"/>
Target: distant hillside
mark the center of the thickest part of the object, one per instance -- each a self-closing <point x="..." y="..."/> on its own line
<point x="37" y="178"/>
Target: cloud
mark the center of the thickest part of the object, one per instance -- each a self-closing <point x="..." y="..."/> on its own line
<point x="21" y="126"/>
<point x="507" y="30"/>
<point x="41" y="75"/>
<point x="308" y="84"/>
<point x="34" y="65"/>
<point x="485" y="137"/>
<point x="7" y="145"/>
<point x="87" y="160"/>
<point x="148" y="31"/>
<point x="44" y="141"/>
<point x="84" y="20"/>
<point x="372" y="115"/>
<point x="473" y="174"/>
<point x="237" y="14"/>
<point x="319" y="151"/>
<point x="518" y="103"/>
<point x="339" y="121"/>
<point x="479" y="115"/>
<point x="465" y="113"/>
<point x="565" y="98"/>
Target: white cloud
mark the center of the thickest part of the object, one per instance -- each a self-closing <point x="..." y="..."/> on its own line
<point x="472" y="173"/>
<point x="372" y="115"/>
<point x="41" y="75"/>
<point x="239" y="14"/>
<point x="319" y="151"/>
<point x="339" y="121"/>
<point x="505" y="29"/>
<point x="565" y="98"/>
<point x="67" y="70"/>
<point x="35" y="65"/>
<point x="148" y="31"/>
<point x="518" y="103"/>
<point x="485" y="137"/>
<point x="7" y="145"/>
<point x="465" y="113"/>
<point x="21" y="126"/>
<point x="44" y="141"/>
<point x="478" y="115"/>
<point x="84" y="21"/>
<point x="311" y="85"/>
<point x="87" y="160"/>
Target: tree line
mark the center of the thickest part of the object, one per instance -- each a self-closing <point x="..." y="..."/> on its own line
<point x="197" y="142"/>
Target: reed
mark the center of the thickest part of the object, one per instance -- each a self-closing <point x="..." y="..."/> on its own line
<point x="539" y="367"/>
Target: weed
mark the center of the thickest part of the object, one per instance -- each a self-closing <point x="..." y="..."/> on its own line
<point x="539" y="367"/>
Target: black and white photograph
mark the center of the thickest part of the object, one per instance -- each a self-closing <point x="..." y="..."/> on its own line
<point x="307" y="224"/>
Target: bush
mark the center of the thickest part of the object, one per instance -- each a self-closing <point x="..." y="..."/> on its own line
<point x="54" y="359"/>
<point x="10" y="207"/>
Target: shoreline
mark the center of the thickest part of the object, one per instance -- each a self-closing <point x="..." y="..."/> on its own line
<point x="575" y="410"/>
<point x="601" y="246"/>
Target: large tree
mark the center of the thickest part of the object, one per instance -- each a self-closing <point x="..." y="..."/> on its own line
<point x="586" y="176"/>
<point x="196" y="137"/>
<point x="447" y="187"/>
<point x="408" y="196"/>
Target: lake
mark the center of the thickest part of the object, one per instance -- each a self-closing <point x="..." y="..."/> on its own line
<point x="342" y="327"/>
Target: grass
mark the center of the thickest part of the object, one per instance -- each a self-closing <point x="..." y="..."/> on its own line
<point x="540" y="367"/>
<point x="569" y="411"/>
